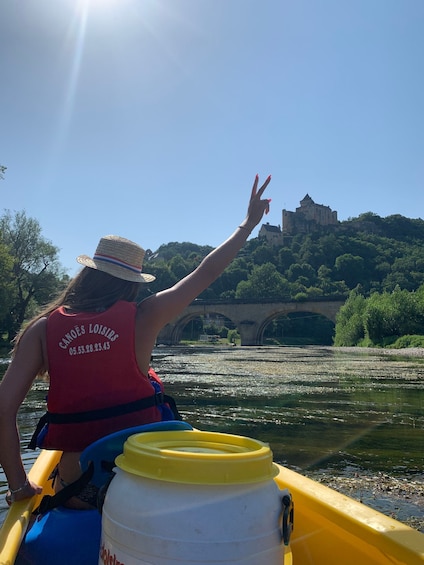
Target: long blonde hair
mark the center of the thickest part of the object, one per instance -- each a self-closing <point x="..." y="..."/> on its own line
<point x="90" y="291"/>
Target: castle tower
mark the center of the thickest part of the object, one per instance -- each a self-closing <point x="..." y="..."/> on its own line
<point x="307" y="217"/>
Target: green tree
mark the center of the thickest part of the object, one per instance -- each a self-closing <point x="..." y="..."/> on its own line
<point x="164" y="278"/>
<point x="350" y="268"/>
<point x="376" y="319"/>
<point x="233" y="336"/>
<point x="178" y="267"/>
<point x="285" y="259"/>
<point x="35" y="274"/>
<point x="325" y="282"/>
<point x="263" y="254"/>
<point x="331" y="247"/>
<point x="265" y="282"/>
<point x="7" y="291"/>
<point x="391" y="315"/>
<point x="302" y="276"/>
<point x="350" y="321"/>
<point x="225" y="285"/>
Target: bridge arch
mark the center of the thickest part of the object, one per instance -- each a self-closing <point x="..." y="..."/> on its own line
<point x="294" y="318"/>
<point x="249" y="318"/>
<point x="176" y="329"/>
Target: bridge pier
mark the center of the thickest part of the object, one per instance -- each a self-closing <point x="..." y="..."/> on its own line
<point x="248" y="331"/>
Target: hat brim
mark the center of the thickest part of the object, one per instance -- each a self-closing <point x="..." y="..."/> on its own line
<point x="114" y="270"/>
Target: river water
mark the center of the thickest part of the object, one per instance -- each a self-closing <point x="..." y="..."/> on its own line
<point x="353" y="419"/>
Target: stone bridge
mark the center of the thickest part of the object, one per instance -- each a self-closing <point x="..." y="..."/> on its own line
<point x="249" y="318"/>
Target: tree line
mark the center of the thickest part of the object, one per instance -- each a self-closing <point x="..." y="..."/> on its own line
<point x="390" y="319"/>
<point x="377" y="253"/>
<point x="30" y="272"/>
<point x="374" y="263"/>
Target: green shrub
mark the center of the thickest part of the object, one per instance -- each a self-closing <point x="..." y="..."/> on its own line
<point x="407" y="341"/>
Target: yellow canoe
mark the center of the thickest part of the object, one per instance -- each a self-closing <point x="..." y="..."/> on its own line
<point x="329" y="528"/>
<point x="333" y="529"/>
<point x="19" y="514"/>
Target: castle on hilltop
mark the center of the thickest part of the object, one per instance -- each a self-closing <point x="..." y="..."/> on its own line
<point x="307" y="217"/>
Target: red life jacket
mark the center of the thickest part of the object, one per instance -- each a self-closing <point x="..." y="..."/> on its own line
<point x="94" y="377"/>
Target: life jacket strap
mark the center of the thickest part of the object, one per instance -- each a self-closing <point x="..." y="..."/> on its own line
<point x="157" y="399"/>
<point x="108" y="412"/>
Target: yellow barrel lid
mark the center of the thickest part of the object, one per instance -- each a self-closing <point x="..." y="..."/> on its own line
<point x="196" y="457"/>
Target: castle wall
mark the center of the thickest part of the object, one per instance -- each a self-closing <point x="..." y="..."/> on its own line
<point x="307" y="216"/>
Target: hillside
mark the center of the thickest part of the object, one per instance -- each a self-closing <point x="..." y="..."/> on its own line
<point x="379" y="254"/>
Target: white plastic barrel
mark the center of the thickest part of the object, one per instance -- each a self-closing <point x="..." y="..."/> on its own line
<point x="193" y="498"/>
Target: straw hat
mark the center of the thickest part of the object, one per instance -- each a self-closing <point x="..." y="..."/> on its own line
<point x="119" y="257"/>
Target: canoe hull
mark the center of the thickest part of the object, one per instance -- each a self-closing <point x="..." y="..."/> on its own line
<point x="18" y="517"/>
<point x="329" y="528"/>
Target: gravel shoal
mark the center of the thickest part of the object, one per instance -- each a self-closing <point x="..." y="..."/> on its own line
<point x="404" y="352"/>
<point x="398" y="498"/>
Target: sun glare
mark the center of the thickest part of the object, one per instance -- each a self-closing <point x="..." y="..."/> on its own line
<point x="98" y="5"/>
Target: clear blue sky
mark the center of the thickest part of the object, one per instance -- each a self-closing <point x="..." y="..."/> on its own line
<point x="150" y="118"/>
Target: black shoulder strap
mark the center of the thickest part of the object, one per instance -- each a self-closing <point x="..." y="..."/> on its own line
<point x="173" y="406"/>
<point x="48" y="502"/>
<point x="41" y="423"/>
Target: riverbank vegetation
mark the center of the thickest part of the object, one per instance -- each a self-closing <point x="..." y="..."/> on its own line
<point x="389" y="319"/>
<point x="375" y="264"/>
<point x="30" y="272"/>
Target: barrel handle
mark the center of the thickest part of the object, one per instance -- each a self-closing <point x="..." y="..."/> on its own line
<point x="286" y="518"/>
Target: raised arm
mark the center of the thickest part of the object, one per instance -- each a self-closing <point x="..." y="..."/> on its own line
<point x="156" y="311"/>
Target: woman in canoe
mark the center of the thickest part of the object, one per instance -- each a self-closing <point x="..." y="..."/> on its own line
<point x="95" y="343"/>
